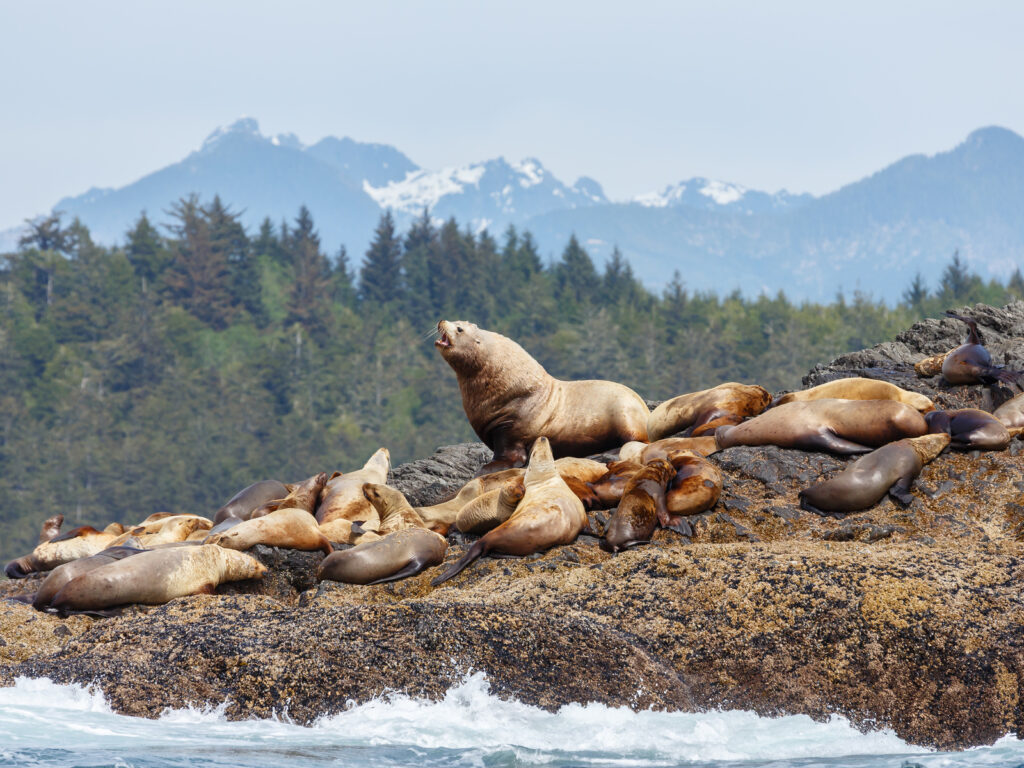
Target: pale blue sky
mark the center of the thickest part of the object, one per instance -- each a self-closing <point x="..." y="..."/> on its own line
<point x="802" y="95"/>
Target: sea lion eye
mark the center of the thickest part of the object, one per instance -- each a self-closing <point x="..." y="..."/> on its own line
<point x="458" y="328"/>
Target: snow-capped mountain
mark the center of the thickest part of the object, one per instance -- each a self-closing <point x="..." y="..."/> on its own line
<point x="709" y="195"/>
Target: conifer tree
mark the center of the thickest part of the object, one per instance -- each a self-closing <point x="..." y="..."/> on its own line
<point x="198" y="277"/>
<point x="575" y="275"/>
<point x="916" y="293"/>
<point x="311" y="285"/>
<point x="145" y="251"/>
<point x="381" y="274"/>
<point x="420" y="303"/>
<point x="343" y="288"/>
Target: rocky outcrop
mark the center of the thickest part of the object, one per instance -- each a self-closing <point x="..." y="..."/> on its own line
<point x="904" y="617"/>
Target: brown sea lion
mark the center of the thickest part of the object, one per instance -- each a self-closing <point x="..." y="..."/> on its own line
<point x="1011" y="413"/>
<point x="250" y="498"/>
<point x="971" y="363"/>
<point x="696" y="485"/>
<point x="660" y="449"/>
<point x="858" y="388"/>
<point x="703" y="411"/>
<point x="62" y="574"/>
<point x="26" y="565"/>
<point x="394" y="510"/>
<point x="608" y="488"/>
<point x="342" y="496"/>
<point x="156" y="576"/>
<point x="511" y="400"/>
<point x="970" y="429"/>
<point x="548" y="514"/>
<point x="930" y="366"/>
<point x="396" y="556"/>
<point x="836" y="426"/>
<point x="288" y="528"/>
<point x="303" y="495"/>
<point x="891" y="469"/>
<point x="642" y="507"/>
<point x="493" y="508"/>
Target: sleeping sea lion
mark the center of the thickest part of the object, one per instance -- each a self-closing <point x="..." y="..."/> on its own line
<point x="156" y="576"/>
<point x="1011" y="413"/>
<point x="642" y="507"/>
<point x="25" y="565"/>
<point x="970" y="429"/>
<point x="288" y="528"/>
<point x="250" y="498"/>
<point x="342" y="496"/>
<point x="608" y="488"/>
<point x="511" y="400"/>
<point x="62" y="574"/>
<point x="971" y="363"/>
<point x="660" y="449"/>
<point x="179" y="528"/>
<point x="394" y="510"/>
<point x="396" y="556"/>
<point x="493" y="508"/>
<point x="837" y="426"/>
<point x="83" y="541"/>
<point x="548" y="514"/>
<point x="858" y="388"/>
<point x="702" y="412"/>
<point x="696" y="485"/>
<point x="303" y="495"/>
<point x="890" y="469"/>
<point x="440" y="517"/>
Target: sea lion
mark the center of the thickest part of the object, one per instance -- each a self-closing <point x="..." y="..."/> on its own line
<point x="440" y="517"/>
<point x="548" y="514"/>
<point x="178" y="528"/>
<point x="511" y="400"/>
<point x="631" y="450"/>
<point x="62" y="574"/>
<point x="303" y="495"/>
<point x="395" y="511"/>
<point x="1011" y="413"/>
<point x="609" y="487"/>
<point x="970" y="429"/>
<point x="930" y="366"/>
<point x="396" y="556"/>
<point x="971" y="363"/>
<point x="156" y="576"/>
<point x="343" y="531"/>
<point x="342" y="496"/>
<point x="837" y="426"/>
<point x="702" y="412"/>
<point x="250" y="498"/>
<point x="493" y="508"/>
<point x="642" y="507"/>
<point x="890" y="469"/>
<point x="83" y="541"/>
<point x="288" y="528"/>
<point x="858" y="388"/>
<point x="25" y="565"/>
<point x="660" y="449"/>
<point x="696" y="485"/>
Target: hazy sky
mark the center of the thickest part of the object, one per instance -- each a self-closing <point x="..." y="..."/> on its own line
<point x="802" y="95"/>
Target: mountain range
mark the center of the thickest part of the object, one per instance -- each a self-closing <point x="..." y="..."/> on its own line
<point x="872" y="235"/>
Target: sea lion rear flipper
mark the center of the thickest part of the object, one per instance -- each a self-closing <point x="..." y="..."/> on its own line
<point x="479" y="548"/>
<point x="20" y="568"/>
<point x="900" y="490"/>
<point x="325" y="545"/>
<point x="680" y="525"/>
<point x="827" y="440"/>
<point x="411" y="568"/>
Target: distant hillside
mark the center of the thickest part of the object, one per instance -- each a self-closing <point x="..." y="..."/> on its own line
<point x="872" y="235"/>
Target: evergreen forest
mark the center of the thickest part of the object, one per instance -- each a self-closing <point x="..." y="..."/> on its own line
<point x="169" y="372"/>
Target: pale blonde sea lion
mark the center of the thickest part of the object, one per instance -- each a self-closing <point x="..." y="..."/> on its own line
<point x="177" y="528"/>
<point x="343" y="531"/>
<point x="511" y="400"/>
<point x="62" y="574"/>
<point x="702" y="412"/>
<point x="342" y="496"/>
<point x="492" y="508"/>
<point x="859" y="388"/>
<point x="549" y="514"/>
<point x="395" y="511"/>
<point x="1011" y="413"/>
<point x="156" y="576"/>
<point x="288" y="528"/>
<point x="25" y="565"/>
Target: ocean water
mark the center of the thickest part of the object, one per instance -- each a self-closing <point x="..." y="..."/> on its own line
<point x="44" y="724"/>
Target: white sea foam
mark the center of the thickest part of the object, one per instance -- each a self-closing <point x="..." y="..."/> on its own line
<point x="469" y="726"/>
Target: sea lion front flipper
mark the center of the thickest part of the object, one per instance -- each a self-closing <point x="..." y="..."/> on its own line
<point x="827" y="440"/>
<point x="680" y="525"/>
<point x="900" y="490"/>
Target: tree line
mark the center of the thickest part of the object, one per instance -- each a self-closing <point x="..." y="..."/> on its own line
<point x="167" y="372"/>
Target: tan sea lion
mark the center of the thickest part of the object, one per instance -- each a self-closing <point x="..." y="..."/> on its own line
<point x="702" y="412"/>
<point x="696" y="485"/>
<point x="858" y="388"/>
<point x="493" y="508"/>
<point x="971" y="363"/>
<point x="26" y="565"/>
<point x="609" y="487"/>
<point x="398" y="555"/>
<point x="548" y="514"/>
<point x="660" y="449"/>
<point x="511" y="400"/>
<point x="1011" y="413"/>
<point x="83" y="541"/>
<point x="302" y="495"/>
<point x="642" y="507"/>
<point x="156" y="576"/>
<point x="837" y="426"/>
<point x="178" y="528"/>
<point x="288" y="528"/>
<point x="150" y="526"/>
<point x="342" y="496"/>
<point x="440" y="517"/>
<point x="891" y="469"/>
<point x="631" y="450"/>
<point x="62" y="574"/>
<point x="343" y="531"/>
<point x="394" y="510"/>
<point x="250" y="498"/>
<point x="970" y="429"/>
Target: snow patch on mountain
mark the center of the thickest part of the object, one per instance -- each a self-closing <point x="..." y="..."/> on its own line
<point x="723" y="193"/>
<point x="424" y="189"/>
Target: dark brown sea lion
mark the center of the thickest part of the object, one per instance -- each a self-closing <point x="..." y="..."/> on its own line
<point x="511" y="400"/>
<point x="837" y="426"/>
<point x="549" y="514"/>
<point x="971" y="363"/>
<point x="26" y="565"/>
<point x="303" y="495"/>
<point x="702" y="412"/>
<point x="156" y="576"/>
<point x="243" y="503"/>
<point x="288" y="528"/>
<point x="661" y="449"/>
<point x="696" y="486"/>
<point x="858" y="388"/>
<point x="891" y="469"/>
<point x="396" y="556"/>
<point x="642" y="507"/>
<point x="970" y="429"/>
<point x="495" y="507"/>
<point x="62" y="574"/>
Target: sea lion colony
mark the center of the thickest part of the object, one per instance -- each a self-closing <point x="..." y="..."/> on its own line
<point x="653" y="472"/>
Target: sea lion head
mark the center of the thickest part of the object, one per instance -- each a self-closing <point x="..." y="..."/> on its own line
<point x="459" y="343"/>
<point x="927" y="447"/>
<point x="51" y="528"/>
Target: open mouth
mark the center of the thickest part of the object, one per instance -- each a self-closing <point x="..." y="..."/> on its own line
<point x="444" y="342"/>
